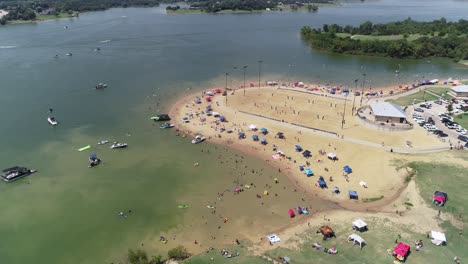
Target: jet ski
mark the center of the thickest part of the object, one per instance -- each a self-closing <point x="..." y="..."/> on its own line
<point x="93" y="160"/>
<point x="101" y="86"/>
<point x="68" y="54"/>
<point x="118" y="145"/>
<point x="52" y="120"/>
<point x="166" y="125"/>
<point x="103" y="142"/>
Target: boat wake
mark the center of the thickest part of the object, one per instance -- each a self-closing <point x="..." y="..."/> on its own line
<point x="7" y="47"/>
<point x="105" y="41"/>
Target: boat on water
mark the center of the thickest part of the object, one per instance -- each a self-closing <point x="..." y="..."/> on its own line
<point x="52" y="120"/>
<point x="68" y="54"/>
<point x="166" y="125"/>
<point x="16" y="173"/>
<point x="103" y="142"/>
<point x="198" y="139"/>
<point x="101" y="86"/>
<point x="162" y="117"/>
<point x="118" y="145"/>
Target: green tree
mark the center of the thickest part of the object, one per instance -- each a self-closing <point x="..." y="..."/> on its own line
<point x="178" y="253"/>
<point x="450" y="108"/>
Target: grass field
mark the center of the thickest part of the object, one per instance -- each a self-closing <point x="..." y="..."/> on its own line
<point x="462" y="120"/>
<point x="59" y="16"/>
<point x="411" y="37"/>
<point x="439" y="90"/>
<point x="408" y="100"/>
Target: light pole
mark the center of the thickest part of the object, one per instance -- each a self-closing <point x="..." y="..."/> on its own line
<point x="245" y="68"/>
<point x="225" y="87"/>
<point x="259" y="72"/>
<point x="354" y="95"/>
<point x="363" y="83"/>
<point x="344" y="112"/>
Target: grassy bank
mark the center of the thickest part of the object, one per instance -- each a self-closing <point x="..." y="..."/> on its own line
<point x="441" y="91"/>
<point x="408" y="100"/>
<point x="45" y="17"/>
<point x="230" y="11"/>
<point x="462" y="120"/>
<point x="410" y="37"/>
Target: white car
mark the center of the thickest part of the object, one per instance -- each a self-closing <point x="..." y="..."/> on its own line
<point x="273" y="238"/>
<point x="464" y="132"/>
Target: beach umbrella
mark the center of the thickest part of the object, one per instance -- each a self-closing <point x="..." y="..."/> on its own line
<point x="307" y="154"/>
<point x="298" y="148"/>
<point x="222" y="118"/>
<point x="217" y="90"/>
<point x="301" y="168"/>
<point x="208" y="99"/>
<point x="198" y="100"/>
<point x="263" y="141"/>
<point x="309" y="172"/>
<point x="255" y="137"/>
<point x="241" y="135"/>
<point x="264" y="130"/>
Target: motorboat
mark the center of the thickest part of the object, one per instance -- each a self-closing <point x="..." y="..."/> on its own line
<point x="101" y="86"/>
<point x="118" y="145"/>
<point x="198" y="139"/>
<point x="162" y="117"/>
<point x="16" y="173"/>
<point x="68" y="54"/>
<point x="166" y="125"/>
<point x="52" y="120"/>
<point x="103" y="142"/>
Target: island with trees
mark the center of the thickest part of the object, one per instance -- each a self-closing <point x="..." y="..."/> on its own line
<point x="402" y="39"/>
<point x="29" y="10"/>
<point x="243" y="6"/>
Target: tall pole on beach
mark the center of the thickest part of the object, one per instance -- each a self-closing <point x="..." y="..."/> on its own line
<point x="226" y="87"/>
<point x="354" y="95"/>
<point x="344" y="112"/>
<point x="245" y="68"/>
<point x="259" y="72"/>
<point x="363" y="83"/>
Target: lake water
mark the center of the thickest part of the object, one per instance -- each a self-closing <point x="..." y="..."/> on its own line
<point x="66" y="213"/>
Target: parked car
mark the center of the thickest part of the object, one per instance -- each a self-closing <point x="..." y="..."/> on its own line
<point x="463" y="138"/>
<point x="438" y="102"/>
<point x="430" y="120"/>
<point x="417" y="109"/>
<point x="439" y="133"/>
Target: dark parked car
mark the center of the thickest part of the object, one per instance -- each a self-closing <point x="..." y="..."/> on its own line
<point x="440" y="133"/>
<point x="417" y="109"/>
<point x="438" y="102"/>
<point x="463" y="138"/>
<point x="430" y="120"/>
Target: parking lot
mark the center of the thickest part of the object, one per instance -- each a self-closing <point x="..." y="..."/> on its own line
<point x="434" y="112"/>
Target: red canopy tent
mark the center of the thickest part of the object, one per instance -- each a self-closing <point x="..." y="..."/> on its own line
<point x="291" y="213"/>
<point x="208" y="99"/>
<point x="217" y="90"/>
<point x="401" y="251"/>
<point x="251" y="84"/>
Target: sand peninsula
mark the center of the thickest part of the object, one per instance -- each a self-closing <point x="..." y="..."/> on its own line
<point x="310" y="117"/>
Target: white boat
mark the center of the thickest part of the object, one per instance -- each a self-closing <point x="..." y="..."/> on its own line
<point x="101" y="86"/>
<point x="68" y="54"/>
<point x="118" y="145"/>
<point x="103" y="142"/>
<point x="167" y="125"/>
<point x="198" y="139"/>
<point x="52" y="120"/>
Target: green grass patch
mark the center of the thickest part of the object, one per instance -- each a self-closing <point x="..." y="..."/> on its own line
<point x="441" y="91"/>
<point x="462" y="120"/>
<point x="449" y="178"/>
<point x="369" y="200"/>
<point x="410" y="37"/>
<point x="380" y="237"/>
<point x="419" y="97"/>
<point x="408" y="204"/>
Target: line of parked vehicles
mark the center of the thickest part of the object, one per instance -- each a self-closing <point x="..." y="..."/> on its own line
<point x="429" y="125"/>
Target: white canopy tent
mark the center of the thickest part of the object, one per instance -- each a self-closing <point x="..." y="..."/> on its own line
<point x="359" y="224"/>
<point x="253" y="127"/>
<point x="438" y="238"/>
<point x="356" y="239"/>
<point x="215" y="114"/>
<point x="331" y="155"/>
<point x="210" y="93"/>
<point x="273" y="238"/>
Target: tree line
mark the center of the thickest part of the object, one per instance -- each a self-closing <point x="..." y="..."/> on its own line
<point x="213" y="6"/>
<point x="439" y="38"/>
<point x="30" y="9"/>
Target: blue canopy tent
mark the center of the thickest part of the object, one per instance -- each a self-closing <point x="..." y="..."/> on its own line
<point x="307" y="154"/>
<point x="347" y="169"/>
<point x="198" y="100"/>
<point x="298" y="148"/>
<point x="208" y="108"/>
<point x="93" y="156"/>
<point x="264" y="131"/>
<point x="322" y="183"/>
<point x="222" y="119"/>
<point x="209" y="112"/>
<point x="353" y="195"/>
<point x="301" y="168"/>
<point x="241" y="135"/>
<point x="255" y="138"/>
<point x="309" y="172"/>
<point x="263" y="141"/>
